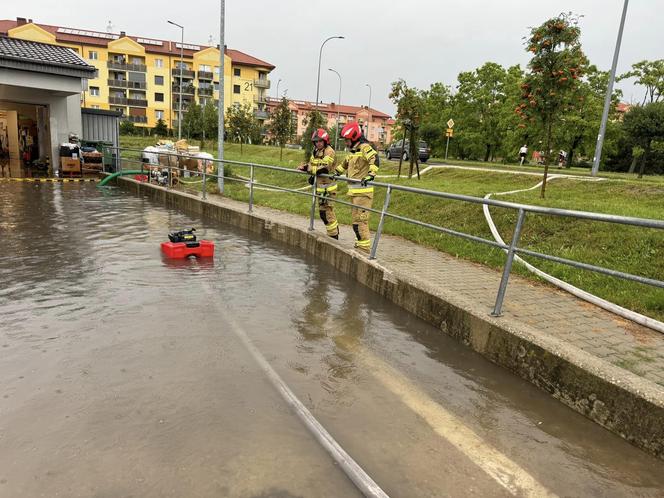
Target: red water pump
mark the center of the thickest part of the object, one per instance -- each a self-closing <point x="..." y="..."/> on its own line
<point x="183" y="244"/>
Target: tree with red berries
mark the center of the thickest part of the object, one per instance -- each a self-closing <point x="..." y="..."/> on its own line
<point x="551" y="85"/>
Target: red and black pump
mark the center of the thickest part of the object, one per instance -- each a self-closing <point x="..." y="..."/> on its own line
<point x="183" y="244"/>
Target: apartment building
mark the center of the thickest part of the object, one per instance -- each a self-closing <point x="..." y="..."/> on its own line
<point x="144" y="77"/>
<point x="377" y="125"/>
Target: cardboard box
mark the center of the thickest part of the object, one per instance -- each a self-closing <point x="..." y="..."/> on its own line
<point x="70" y="165"/>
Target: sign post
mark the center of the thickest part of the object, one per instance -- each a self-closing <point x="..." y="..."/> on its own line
<point x="449" y="134"/>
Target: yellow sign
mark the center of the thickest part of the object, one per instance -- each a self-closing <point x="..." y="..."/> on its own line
<point x="450" y="130"/>
<point x="450" y="123"/>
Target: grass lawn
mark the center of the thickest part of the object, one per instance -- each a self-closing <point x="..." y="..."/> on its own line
<point x="630" y="249"/>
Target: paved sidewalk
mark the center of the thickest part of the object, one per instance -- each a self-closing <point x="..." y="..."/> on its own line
<point x="544" y="311"/>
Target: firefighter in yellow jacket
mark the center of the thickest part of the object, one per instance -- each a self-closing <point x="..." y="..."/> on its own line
<point x="361" y="164"/>
<point x="322" y="162"/>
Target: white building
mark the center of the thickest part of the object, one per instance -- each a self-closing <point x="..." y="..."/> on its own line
<point x="40" y="103"/>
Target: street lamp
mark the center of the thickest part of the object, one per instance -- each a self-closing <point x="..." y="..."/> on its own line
<point x="278" y="87"/>
<point x="320" y="54"/>
<point x="336" y="135"/>
<point x="180" y="85"/>
<point x="368" y="109"/>
<point x="609" y="92"/>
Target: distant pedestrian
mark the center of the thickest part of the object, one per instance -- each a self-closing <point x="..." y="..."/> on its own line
<point x="523" y="153"/>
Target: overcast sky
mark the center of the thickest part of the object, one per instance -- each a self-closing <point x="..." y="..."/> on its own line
<point x="422" y="41"/>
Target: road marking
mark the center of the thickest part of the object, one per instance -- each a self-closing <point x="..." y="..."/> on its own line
<point x="506" y="472"/>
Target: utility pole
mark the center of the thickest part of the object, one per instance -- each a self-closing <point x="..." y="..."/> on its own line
<point x="180" y="84"/>
<point x="609" y="94"/>
<point x="222" y="86"/>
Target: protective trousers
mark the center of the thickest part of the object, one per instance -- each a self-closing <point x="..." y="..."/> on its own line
<point x="326" y="210"/>
<point x="360" y="217"/>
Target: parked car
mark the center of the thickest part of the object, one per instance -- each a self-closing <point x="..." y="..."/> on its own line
<point x="394" y="151"/>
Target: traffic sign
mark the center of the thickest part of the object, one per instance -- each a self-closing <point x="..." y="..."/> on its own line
<point x="450" y="130"/>
<point x="450" y="123"/>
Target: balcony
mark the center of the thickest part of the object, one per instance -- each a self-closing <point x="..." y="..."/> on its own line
<point x="137" y="119"/>
<point x="262" y="83"/>
<point x="205" y="75"/>
<point x="139" y="85"/>
<point x="258" y="114"/>
<point x="186" y="89"/>
<point x="205" y="92"/>
<point x="186" y="73"/>
<point x="260" y="99"/>
<point x="126" y="101"/>
<point x="121" y="66"/>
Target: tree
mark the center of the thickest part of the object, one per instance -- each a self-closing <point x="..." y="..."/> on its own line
<point x="410" y="108"/>
<point x="583" y="111"/>
<point x="480" y="97"/>
<point x="437" y="110"/>
<point x="645" y="127"/>
<point x="209" y="120"/>
<point x="649" y="74"/>
<point x="281" y="125"/>
<point x="240" y="123"/>
<point x="314" y="120"/>
<point x="160" y="128"/>
<point x="191" y="121"/>
<point x="127" y="127"/>
<point x="555" y="68"/>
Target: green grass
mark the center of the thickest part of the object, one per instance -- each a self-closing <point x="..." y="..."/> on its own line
<point x="629" y="249"/>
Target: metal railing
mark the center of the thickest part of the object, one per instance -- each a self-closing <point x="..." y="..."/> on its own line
<point x="262" y="83"/>
<point x="512" y="248"/>
<point x="123" y="66"/>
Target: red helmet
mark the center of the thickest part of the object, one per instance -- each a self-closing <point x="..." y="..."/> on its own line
<point x="351" y="132"/>
<point x="320" y="134"/>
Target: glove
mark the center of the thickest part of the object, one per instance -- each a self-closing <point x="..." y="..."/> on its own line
<point x="367" y="179"/>
<point x="302" y="167"/>
<point x="311" y="179"/>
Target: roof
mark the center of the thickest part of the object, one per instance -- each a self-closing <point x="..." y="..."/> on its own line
<point x="37" y="54"/>
<point x="79" y="36"/>
<point x="304" y="105"/>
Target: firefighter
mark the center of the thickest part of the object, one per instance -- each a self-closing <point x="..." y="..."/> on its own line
<point x="361" y="164"/>
<point x="322" y="162"/>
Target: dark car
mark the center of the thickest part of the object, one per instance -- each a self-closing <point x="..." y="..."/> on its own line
<point x="395" y="150"/>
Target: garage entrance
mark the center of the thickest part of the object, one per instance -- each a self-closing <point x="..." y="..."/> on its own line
<point x="25" y="145"/>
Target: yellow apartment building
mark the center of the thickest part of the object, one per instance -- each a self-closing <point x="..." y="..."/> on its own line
<point x="141" y="77"/>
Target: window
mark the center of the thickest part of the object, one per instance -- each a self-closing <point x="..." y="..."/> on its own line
<point x="158" y="80"/>
<point x="93" y="55"/>
<point x="95" y="106"/>
<point x="237" y="71"/>
<point x="94" y="91"/>
<point x="236" y="88"/>
<point x="159" y="63"/>
<point x="204" y="68"/>
<point x="216" y="86"/>
<point x="159" y="114"/>
<point x="216" y="70"/>
<point x="158" y="97"/>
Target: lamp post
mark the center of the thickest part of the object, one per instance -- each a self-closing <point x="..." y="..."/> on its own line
<point x="368" y="109"/>
<point x="180" y="85"/>
<point x="609" y="93"/>
<point x="320" y="55"/>
<point x="278" y="87"/>
<point x="220" y="111"/>
<point x="336" y="135"/>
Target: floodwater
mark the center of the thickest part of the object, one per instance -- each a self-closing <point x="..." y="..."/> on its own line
<point x="121" y="374"/>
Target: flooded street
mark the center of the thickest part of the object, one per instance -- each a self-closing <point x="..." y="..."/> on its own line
<point x="122" y="374"/>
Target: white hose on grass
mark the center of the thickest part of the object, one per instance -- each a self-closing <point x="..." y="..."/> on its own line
<point x="586" y="296"/>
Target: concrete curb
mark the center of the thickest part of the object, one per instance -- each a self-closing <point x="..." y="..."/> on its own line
<point x="622" y="402"/>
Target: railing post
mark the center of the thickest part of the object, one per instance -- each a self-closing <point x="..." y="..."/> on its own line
<point x="251" y="188"/>
<point x="497" y="309"/>
<point x="379" y="231"/>
<point x="312" y="212"/>
<point x="204" y="193"/>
